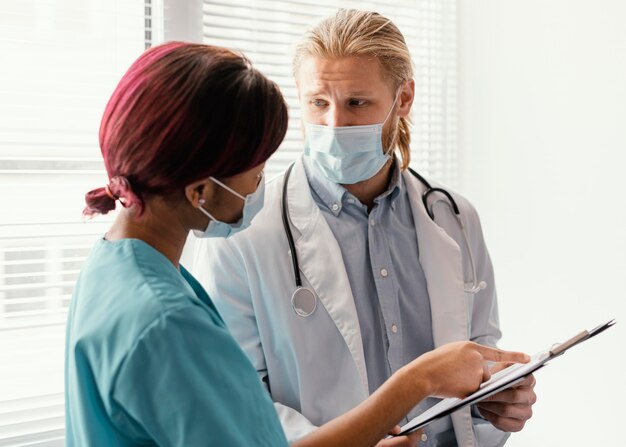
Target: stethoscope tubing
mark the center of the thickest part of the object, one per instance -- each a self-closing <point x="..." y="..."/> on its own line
<point x="300" y="291"/>
<point x="429" y="191"/>
<point x="290" y="241"/>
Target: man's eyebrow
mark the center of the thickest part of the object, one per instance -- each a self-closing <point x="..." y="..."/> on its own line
<point x="318" y="92"/>
<point x="361" y="93"/>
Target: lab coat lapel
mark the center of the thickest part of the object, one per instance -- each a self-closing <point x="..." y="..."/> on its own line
<point x="441" y="260"/>
<point x="440" y="257"/>
<point x="322" y="265"/>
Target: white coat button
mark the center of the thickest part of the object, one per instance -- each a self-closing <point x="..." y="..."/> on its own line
<point x="394" y="328"/>
<point x="335" y="207"/>
<point x="383" y="273"/>
<point x="372" y="222"/>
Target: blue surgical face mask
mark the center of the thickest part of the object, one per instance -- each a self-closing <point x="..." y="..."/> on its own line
<point x="347" y="154"/>
<point x="251" y="207"/>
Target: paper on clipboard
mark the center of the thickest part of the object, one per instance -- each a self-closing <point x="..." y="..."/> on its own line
<point x="500" y="381"/>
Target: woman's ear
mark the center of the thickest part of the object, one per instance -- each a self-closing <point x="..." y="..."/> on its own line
<point x="197" y="192"/>
<point x="407" y="94"/>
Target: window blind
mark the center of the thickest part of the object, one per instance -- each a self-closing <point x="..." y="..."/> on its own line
<point x="267" y="30"/>
<point x="61" y="62"/>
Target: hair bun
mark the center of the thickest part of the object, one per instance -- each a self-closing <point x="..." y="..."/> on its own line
<point x="102" y="200"/>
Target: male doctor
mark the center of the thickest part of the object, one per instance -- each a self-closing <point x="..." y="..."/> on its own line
<point x="383" y="281"/>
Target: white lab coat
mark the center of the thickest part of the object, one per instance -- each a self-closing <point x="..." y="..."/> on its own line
<point x="314" y="367"/>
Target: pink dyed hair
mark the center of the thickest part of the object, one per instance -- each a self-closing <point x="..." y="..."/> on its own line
<point x="181" y="113"/>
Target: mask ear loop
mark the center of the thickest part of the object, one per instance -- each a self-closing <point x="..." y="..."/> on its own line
<point x="203" y="211"/>
<point x="228" y="188"/>
<point x="261" y="178"/>
<point x="395" y="100"/>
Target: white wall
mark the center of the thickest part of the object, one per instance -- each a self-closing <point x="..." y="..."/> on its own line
<point x="542" y="112"/>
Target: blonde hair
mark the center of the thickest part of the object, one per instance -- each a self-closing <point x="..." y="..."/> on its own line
<point x="351" y="32"/>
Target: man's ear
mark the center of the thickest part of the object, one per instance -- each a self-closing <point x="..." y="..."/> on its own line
<point x="405" y="101"/>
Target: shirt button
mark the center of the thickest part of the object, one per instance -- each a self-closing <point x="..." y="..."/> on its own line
<point x="335" y="207"/>
<point x="372" y="222"/>
<point x="394" y="328"/>
<point x="383" y="273"/>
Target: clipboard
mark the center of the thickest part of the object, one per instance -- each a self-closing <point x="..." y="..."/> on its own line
<point x="500" y="381"/>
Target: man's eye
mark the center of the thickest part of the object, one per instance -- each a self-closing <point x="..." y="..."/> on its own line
<point x="318" y="103"/>
<point x="357" y="102"/>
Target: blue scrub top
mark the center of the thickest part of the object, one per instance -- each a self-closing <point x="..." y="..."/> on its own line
<point x="149" y="360"/>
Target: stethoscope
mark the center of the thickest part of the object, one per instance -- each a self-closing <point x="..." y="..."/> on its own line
<point x="304" y="300"/>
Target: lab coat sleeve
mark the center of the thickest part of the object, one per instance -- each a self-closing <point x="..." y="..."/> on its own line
<point x="186" y="382"/>
<point x="220" y="269"/>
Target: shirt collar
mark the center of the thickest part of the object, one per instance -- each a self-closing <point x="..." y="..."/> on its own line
<point x="333" y="195"/>
<point x="395" y="187"/>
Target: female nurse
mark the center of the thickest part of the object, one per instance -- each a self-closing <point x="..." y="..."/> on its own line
<point x="149" y="360"/>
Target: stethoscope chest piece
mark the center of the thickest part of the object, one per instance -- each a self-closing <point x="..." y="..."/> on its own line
<point x="303" y="301"/>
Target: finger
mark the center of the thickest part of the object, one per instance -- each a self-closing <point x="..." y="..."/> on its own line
<point x="528" y="382"/>
<point x="486" y="373"/>
<point x="391" y="442"/>
<point x="398" y="441"/>
<point x="503" y="423"/>
<point x="498" y="355"/>
<point x="416" y="436"/>
<point x="525" y="386"/>
<point x="521" y="412"/>
<point x="401" y="441"/>
<point x="497" y="367"/>
<point x="395" y="430"/>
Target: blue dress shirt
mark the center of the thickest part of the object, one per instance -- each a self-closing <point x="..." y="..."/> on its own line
<point x="381" y="256"/>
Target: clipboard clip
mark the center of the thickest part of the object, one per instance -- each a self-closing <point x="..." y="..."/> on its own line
<point x="559" y="348"/>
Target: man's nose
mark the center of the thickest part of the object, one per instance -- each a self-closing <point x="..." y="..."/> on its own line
<point x="335" y="117"/>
